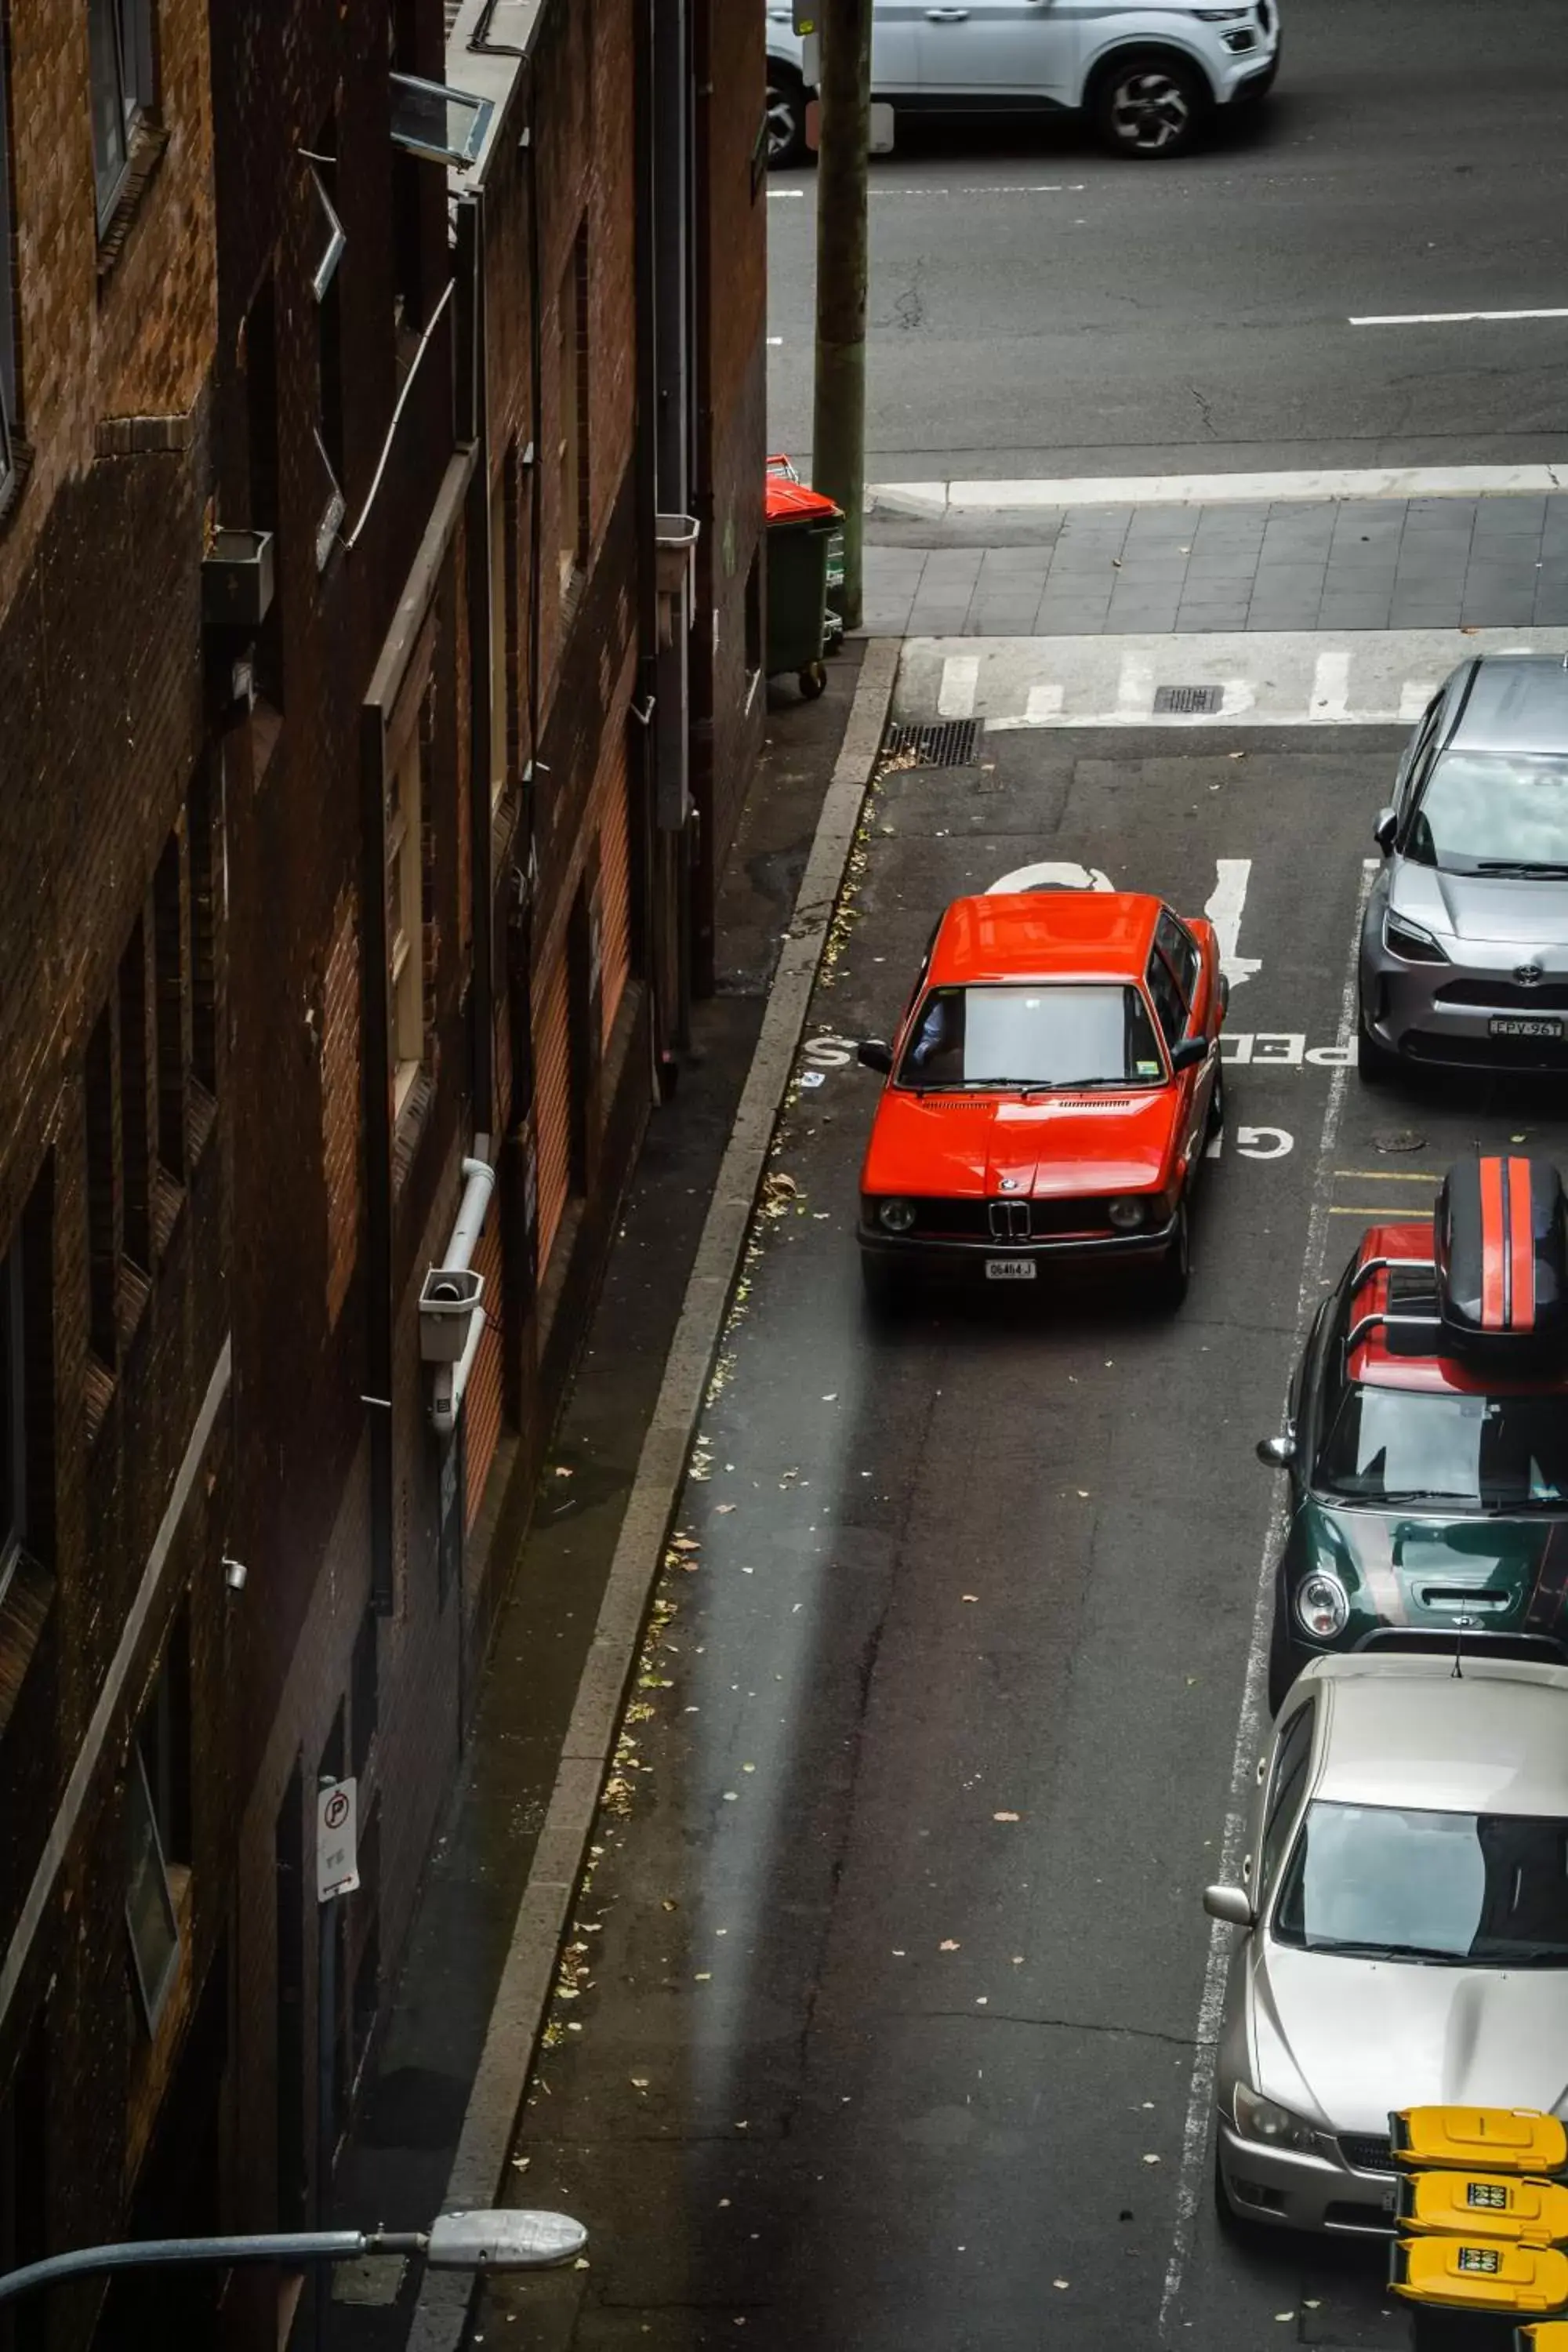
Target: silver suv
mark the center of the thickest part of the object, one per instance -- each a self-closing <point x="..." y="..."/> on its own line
<point x="1464" y="953"/>
<point x="1149" y="76"/>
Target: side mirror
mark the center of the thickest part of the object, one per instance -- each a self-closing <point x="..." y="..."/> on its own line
<point x="1189" y="1054"/>
<point x="875" y="1054"/>
<point x="1231" y="1904"/>
<point x="1383" y="831"/>
<point x="1277" y="1453"/>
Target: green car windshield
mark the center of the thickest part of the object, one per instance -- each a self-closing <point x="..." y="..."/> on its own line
<point x="1491" y="1453"/>
<point x="1063" y="1034"/>
<point x="1487" y="1890"/>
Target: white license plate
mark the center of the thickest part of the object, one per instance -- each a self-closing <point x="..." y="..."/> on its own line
<point x="1507" y="1024"/>
<point x="1009" y="1269"/>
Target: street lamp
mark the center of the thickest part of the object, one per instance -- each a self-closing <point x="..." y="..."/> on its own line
<point x="500" y="2241"/>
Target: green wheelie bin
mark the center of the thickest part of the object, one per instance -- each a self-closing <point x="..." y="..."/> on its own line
<point x="804" y="542"/>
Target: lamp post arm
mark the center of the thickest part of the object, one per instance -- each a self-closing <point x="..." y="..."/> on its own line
<point x="292" y="2247"/>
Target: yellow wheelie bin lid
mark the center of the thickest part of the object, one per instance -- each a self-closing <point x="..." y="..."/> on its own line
<point x="1546" y="2335"/>
<point x="1478" y="2140"/>
<point x="1484" y="2205"/>
<point x="1465" y="2274"/>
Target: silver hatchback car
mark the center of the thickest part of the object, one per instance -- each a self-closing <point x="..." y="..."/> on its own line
<point x="1464" y="953"/>
<point x="1407" y="1908"/>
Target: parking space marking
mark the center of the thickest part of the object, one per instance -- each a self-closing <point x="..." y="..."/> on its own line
<point x="1249" y="1722"/>
<point x="1224" y="911"/>
<point x="960" y="679"/>
<point x="1332" y="685"/>
<point x="1135" y="688"/>
<point x="1453" y="317"/>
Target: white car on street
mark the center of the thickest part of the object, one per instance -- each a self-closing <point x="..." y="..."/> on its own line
<point x="1405" y="1908"/>
<point x="1149" y="77"/>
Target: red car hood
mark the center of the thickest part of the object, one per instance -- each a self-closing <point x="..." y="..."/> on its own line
<point x="950" y="1145"/>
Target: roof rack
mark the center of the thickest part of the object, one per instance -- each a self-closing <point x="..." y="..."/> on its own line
<point x="1381" y="1319"/>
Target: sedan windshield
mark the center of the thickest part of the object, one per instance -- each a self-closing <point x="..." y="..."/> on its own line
<point x="1497" y="1454"/>
<point x="1040" y="1035"/>
<point x="1494" y="813"/>
<point x="1490" y="1890"/>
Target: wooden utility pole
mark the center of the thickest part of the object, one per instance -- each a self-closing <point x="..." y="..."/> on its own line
<point x="844" y="140"/>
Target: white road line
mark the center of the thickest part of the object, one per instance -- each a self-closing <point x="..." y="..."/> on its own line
<point x="1332" y="685"/>
<point x="774" y="342"/>
<point x="1135" y="688"/>
<point x="786" y="196"/>
<point x="1211" y="2005"/>
<point x="960" y="677"/>
<point x="923" y="499"/>
<point x="1224" y="909"/>
<point x="1415" y="695"/>
<point x="1240" y="695"/>
<point x="1452" y="318"/>
<point x="1045" y="703"/>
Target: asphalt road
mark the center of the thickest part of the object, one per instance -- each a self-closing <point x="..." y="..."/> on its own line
<point x="1039" y="309"/>
<point x="886" y="2037"/>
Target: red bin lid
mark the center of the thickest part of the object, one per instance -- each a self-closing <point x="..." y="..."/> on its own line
<point x="788" y="499"/>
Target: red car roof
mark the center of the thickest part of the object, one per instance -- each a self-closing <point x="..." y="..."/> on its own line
<point x="1373" y="1363"/>
<point x="1045" y="935"/>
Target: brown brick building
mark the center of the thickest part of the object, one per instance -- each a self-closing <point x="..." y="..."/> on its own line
<point x="380" y="622"/>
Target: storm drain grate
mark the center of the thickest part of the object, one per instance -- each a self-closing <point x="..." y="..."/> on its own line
<point x="1185" y="701"/>
<point x="943" y="744"/>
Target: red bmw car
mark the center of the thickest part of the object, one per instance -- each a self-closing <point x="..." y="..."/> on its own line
<point x="1050" y="1092"/>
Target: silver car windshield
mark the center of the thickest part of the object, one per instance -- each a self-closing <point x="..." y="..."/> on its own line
<point x="1474" y="1890"/>
<point x="1403" y="1446"/>
<point x="1039" y="1035"/>
<point x="1493" y="811"/>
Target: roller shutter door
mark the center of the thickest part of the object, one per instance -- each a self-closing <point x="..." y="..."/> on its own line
<point x="615" y="899"/>
<point x="482" y="1397"/>
<point x="552" y="1106"/>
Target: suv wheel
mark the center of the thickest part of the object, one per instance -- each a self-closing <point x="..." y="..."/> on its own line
<point x="1148" y="107"/>
<point x="786" y="117"/>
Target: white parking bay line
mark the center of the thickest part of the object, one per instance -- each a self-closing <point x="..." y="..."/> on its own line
<point x="1135" y="688"/>
<point x="1224" y="910"/>
<point x="960" y="679"/>
<point x="1332" y="685"/>
<point x="1453" y="317"/>
<point x="1045" y="703"/>
<point x="1249" y="1724"/>
<point x="1415" y="695"/>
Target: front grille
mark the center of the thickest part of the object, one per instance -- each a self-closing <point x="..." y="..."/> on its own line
<point x="1485" y="994"/>
<point x="1367" y="2151"/>
<point x="1486" y="1053"/>
<point x="1011" y="1221"/>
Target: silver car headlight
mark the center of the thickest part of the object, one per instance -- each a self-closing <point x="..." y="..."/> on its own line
<point x="1322" y="1605"/>
<point x="895" y="1216"/>
<point x="1409" y="942"/>
<point x="1127" y="1214"/>
<point x="1267" y="2123"/>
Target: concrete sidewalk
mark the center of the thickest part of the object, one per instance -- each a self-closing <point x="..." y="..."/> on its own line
<point x="1135" y="568"/>
<point x="396" y="2167"/>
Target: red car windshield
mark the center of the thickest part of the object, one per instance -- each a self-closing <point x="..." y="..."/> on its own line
<point x="1034" y="1034"/>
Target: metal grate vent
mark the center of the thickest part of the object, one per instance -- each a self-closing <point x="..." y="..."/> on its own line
<point x="946" y="743"/>
<point x="1185" y="701"/>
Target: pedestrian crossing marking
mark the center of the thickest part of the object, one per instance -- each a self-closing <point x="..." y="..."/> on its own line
<point x="1302" y="678"/>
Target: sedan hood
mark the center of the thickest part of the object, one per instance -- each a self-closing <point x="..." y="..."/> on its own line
<point x="1482" y="907"/>
<point x="950" y="1146"/>
<point x="1346" y="2042"/>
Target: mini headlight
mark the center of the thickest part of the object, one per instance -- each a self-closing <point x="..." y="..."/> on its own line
<point x="1127" y="1215"/>
<point x="895" y="1216"/>
<point x="1409" y="942"/>
<point x="1272" y="2125"/>
<point x="1321" y="1605"/>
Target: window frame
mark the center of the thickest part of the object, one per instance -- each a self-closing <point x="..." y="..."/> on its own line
<point x="404" y="916"/>
<point x="13" y="1411"/>
<point x="128" y="26"/>
<point x="144" y="1848"/>
<point x="575" y="529"/>
<point x="1287" y="1789"/>
<point x="500" y="634"/>
<point x="1158" y="970"/>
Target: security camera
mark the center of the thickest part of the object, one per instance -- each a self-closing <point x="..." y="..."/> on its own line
<point x="234" y="1573"/>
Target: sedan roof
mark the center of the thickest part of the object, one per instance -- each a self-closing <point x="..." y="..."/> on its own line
<point x="1045" y="935"/>
<point x="1517" y="702"/>
<point x="1408" y="1731"/>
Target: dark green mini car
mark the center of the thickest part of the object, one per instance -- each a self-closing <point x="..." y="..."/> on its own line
<point x="1427" y="1442"/>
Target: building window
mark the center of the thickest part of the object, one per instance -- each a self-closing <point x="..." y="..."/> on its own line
<point x="325" y="286"/>
<point x="13" y="1414"/>
<point x="501" y="631"/>
<point x="120" y="48"/>
<point x="10" y="412"/>
<point x="572" y="328"/>
<point x="405" y="912"/>
<point x="158" y="1826"/>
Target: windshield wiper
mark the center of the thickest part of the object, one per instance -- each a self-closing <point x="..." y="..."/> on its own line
<point x="1423" y="1953"/>
<point x="1518" y="867"/>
